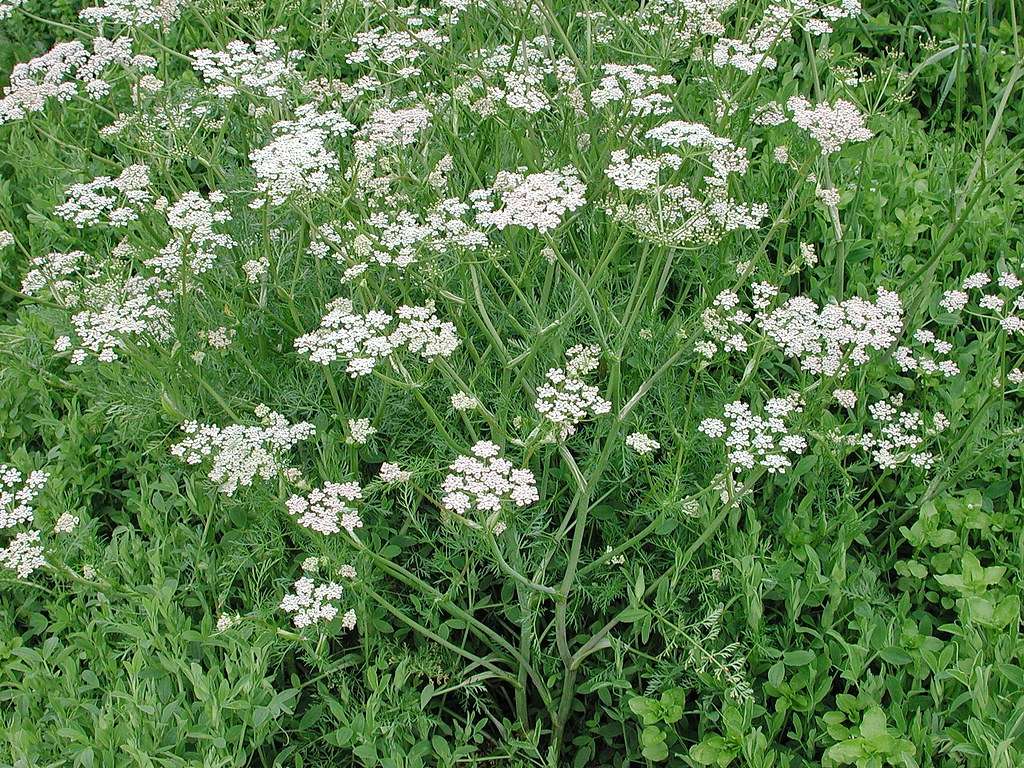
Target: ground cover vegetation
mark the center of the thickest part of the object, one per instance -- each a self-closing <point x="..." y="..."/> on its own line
<point x="511" y="383"/>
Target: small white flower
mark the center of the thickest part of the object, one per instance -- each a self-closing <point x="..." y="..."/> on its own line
<point x="328" y="509"/>
<point x="977" y="280"/>
<point x="619" y="559"/>
<point x="66" y="523"/>
<point x="220" y="338"/>
<point x="464" y="402"/>
<point x="255" y="269"/>
<point x="642" y="443"/>
<point x="23" y="554"/>
<point x="484" y="482"/>
<point x="845" y="397"/>
<point x="364" y="340"/>
<point x="537" y="201"/>
<point x="360" y="431"/>
<point x="239" y="454"/>
<point x="831" y="126"/>
<point x="565" y="400"/>
<point x="713" y="428"/>
<point x="954" y="301"/>
<point x="808" y="254"/>
<point x="311" y="603"/>
<point x="106" y="200"/>
<point x="1009" y="281"/>
<point x="392" y="473"/>
<point x="752" y="440"/>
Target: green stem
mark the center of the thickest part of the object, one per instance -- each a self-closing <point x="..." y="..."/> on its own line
<point x="387" y="606"/>
<point x="510" y="571"/>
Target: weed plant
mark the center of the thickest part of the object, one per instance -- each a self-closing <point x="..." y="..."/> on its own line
<point x="511" y="383"/>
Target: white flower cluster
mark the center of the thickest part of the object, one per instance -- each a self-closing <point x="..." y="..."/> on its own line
<point x="169" y="127"/>
<point x="24" y="553"/>
<point x="639" y="172"/>
<point x="438" y="176"/>
<point x="311" y="603"/>
<point x="58" y="73"/>
<point x="565" y="399"/>
<point x="462" y="401"/>
<point x="6" y="239"/>
<point x="52" y="271"/>
<point x="845" y="397"/>
<point x="831" y="125"/>
<point x="240" y="453"/>
<point x="671" y="213"/>
<point x="133" y="13"/>
<point x="194" y="244"/>
<point x="1006" y="304"/>
<point x="536" y="201"/>
<point x="389" y="129"/>
<point x="422" y="333"/>
<point x="817" y="17"/>
<point x="642" y="443"/>
<point x="689" y="218"/>
<point x="726" y="157"/>
<point x="398" y="51"/>
<point x="106" y="200"/>
<point x="829" y="196"/>
<point x="924" y="358"/>
<point x="17" y="492"/>
<point x="360" y="431"/>
<point x="769" y="114"/>
<point x="808" y="254"/>
<point x="392" y="473"/>
<point x="683" y="21"/>
<point x="7" y="7"/>
<point x="397" y="237"/>
<point x="66" y="523"/>
<point x="484" y="482"/>
<point x="752" y="51"/>
<point x="324" y="90"/>
<point x="297" y="160"/>
<point x="831" y="339"/>
<point x="899" y="435"/>
<point x="326" y="510"/>
<point x="116" y="312"/>
<point x="637" y="87"/>
<point x="220" y="337"/>
<point x="758" y="440"/>
<point x="359" y="339"/>
<point x="255" y="269"/>
<point x="726" y="323"/>
<point x="364" y="340"/>
<point x="514" y="76"/>
<point x="260" y="68"/>
<point x="619" y="559"/>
